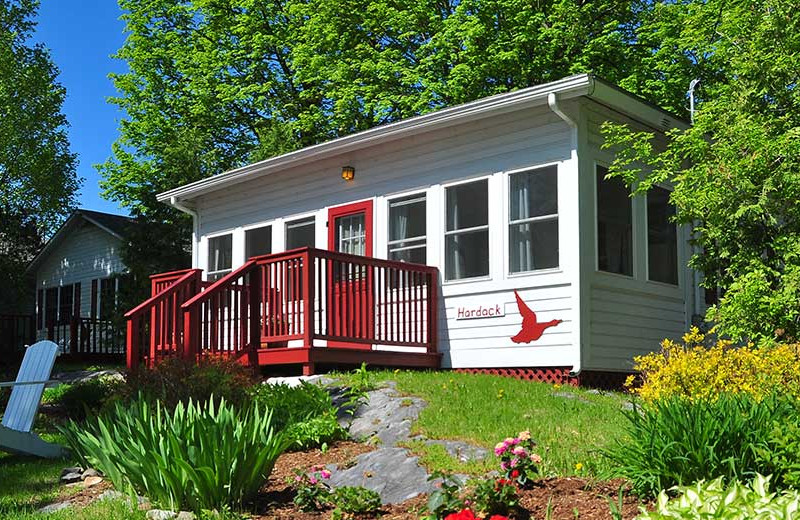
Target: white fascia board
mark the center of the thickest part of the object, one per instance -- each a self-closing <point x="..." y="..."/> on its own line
<point x="573" y="86"/>
<point x="635" y="107"/>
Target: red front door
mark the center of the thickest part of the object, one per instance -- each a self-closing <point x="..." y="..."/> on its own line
<point x="351" y="313"/>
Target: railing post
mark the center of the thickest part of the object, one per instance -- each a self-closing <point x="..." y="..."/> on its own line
<point x="254" y="313"/>
<point x="433" y="312"/>
<point x="308" y="298"/>
<point x="191" y="325"/>
<point x="132" y="337"/>
<point x="73" y="335"/>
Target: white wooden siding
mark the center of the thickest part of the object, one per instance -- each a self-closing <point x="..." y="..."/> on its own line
<point x="85" y="254"/>
<point x="489" y="148"/>
<point x="624" y="316"/>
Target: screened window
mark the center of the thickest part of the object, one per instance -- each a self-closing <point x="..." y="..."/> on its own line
<point x="220" y="256"/>
<point x="108" y="298"/>
<point x="614" y="225"/>
<point x="662" y="238"/>
<point x="467" y="232"/>
<point x="65" y="295"/>
<point x="51" y="306"/>
<point x="407" y="224"/>
<point x="258" y="241"/>
<point x="300" y="233"/>
<point x="533" y="220"/>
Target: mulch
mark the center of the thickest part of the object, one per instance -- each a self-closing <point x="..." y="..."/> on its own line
<point x="567" y="498"/>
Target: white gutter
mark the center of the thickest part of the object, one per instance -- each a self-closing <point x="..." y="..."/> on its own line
<point x="175" y="203"/>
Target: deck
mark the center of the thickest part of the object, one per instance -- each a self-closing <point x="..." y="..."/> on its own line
<point x="307" y="307"/>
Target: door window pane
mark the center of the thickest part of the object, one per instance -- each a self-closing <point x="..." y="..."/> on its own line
<point x="614" y="225"/>
<point x="300" y="233"/>
<point x="407" y="228"/>
<point x="220" y="255"/>
<point x="533" y="220"/>
<point x="467" y="235"/>
<point x="258" y="241"/>
<point x="662" y="238"/>
<point x="351" y="234"/>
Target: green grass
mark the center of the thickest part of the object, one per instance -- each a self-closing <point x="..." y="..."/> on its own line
<point x="484" y="409"/>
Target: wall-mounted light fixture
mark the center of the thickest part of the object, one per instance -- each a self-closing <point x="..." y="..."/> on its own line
<point x="348" y="173"/>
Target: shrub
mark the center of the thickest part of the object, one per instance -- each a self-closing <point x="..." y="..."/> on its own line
<point x="493" y="497"/>
<point x="733" y="502"/>
<point x="445" y="499"/>
<point x="676" y="441"/>
<point x="174" y="380"/>
<point x="517" y="458"/>
<point x="354" y="500"/>
<point x="316" y="432"/>
<point x="781" y="453"/>
<point x="85" y="397"/>
<point x="311" y="491"/>
<point x="691" y="369"/>
<point x="198" y="456"/>
<point x="291" y="405"/>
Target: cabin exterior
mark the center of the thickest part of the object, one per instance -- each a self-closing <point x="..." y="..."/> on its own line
<point x="77" y="276"/>
<point x="478" y="237"/>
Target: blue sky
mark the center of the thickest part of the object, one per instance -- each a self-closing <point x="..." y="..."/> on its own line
<point x="81" y="36"/>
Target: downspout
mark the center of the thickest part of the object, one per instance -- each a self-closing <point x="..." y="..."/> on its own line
<point x="552" y="102"/>
<point x="175" y="203"/>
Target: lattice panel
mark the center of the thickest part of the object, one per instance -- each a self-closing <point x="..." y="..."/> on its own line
<point x="603" y="380"/>
<point x="550" y="375"/>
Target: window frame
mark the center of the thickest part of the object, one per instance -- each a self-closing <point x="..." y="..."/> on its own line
<point x="311" y="217"/>
<point x="445" y="233"/>
<point x="271" y="225"/>
<point x="678" y="277"/>
<point x="420" y="241"/>
<point x="508" y="223"/>
<point x="634" y="229"/>
<point x="213" y="275"/>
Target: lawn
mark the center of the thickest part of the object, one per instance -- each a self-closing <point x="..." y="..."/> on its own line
<point x="484" y="409"/>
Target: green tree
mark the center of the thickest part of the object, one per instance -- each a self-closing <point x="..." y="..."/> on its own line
<point x="736" y="172"/>
<point x="37" y="171"/>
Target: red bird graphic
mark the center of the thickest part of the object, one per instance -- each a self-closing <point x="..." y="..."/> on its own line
<point x="531" y="329"/>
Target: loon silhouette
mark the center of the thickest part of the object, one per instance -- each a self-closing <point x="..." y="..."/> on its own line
<point x="531" y="329"/>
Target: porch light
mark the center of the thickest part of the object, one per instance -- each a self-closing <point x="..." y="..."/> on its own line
<point x="348" y="173"/>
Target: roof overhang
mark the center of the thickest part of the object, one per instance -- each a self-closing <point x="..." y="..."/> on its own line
<point x="571" y="87"/>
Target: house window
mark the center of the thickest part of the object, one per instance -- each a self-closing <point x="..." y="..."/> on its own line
<point x="300" y="233"/>
<point x="662" y="238"/>
<point x="258" y="241"/>
<point x="108" y="298"/>
<point x="533" y="220"/>
<point x="65" y="304"/>
<point x="467" y="231"/>
<point x="407" y="223"/>
<point x="51" y="306"/>
<point x="220" y="254"/>
<point x="614" y="225"/>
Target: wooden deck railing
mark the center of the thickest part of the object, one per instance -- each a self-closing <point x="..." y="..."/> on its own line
<point x="16" y="331"/>
<point x="298" y="297"/>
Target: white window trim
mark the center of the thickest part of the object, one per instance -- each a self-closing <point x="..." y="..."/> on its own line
<point x="445" y="233"/>
<point x="270" y="223"/>
<point x="634" y="230"/>
<point x="311" y="217"/>
<point x="678" y="248"/>
<point x="508" y="222"/>
<point x="208" y="271"/>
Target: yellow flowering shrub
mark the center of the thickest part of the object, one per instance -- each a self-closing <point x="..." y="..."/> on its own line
<point x="696" y="370"/>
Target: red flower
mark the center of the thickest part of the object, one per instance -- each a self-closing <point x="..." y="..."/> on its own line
<point x="515" y="473"/>
<point x="464" y="514"/>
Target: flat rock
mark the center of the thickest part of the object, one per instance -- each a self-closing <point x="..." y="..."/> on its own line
<point x="92" y="481"/>
<point x="185" y="515"/>
<point x="73" y="469"/>
<point x="52" y="508"/>
<point x="391" y="472"/>
<point x="90" y="472"/>
<point x="570" y="395"/>
<point x="71" y="478"/>
<point x="111" y="494"/>
<point x="462" y="451"/>
<point x="160" y="514"/>
<point x="387" y="416"/>
<point x="294" y="381"/>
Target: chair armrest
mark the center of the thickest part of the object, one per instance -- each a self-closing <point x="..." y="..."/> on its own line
<point x="21" y="383"/>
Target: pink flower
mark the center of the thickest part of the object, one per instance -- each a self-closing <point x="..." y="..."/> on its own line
<point x="536" y="458"/>
<point x="298" y="478"/>
<point x="514" y="462"/>
<point x="499" y="448"/>
<point x="525" y="436"/>
<point x="312" y="479"/>
<point x="504" y="465"/>
<point x="325" y="474"/>
<point x="519" y="451"/>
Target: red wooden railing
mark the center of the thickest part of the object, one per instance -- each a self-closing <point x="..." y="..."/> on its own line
<point x="155" y="327"/>
<point x="301" y="295"/>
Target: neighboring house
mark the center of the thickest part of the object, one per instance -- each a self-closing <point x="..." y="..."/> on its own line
<point x="77" y="277"/>
<point x="502" y="196"/>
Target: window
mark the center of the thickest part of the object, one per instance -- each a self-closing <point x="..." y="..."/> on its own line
<point x="108" y="298"/>
<point x="407" y="223"/>
<point x="467" y="232"/>
<point x="300" y="233"/>
<point x="220" y="253"/>
<point x="65" y="304"/>
<point x="533" y="220"/>
<point x="258" y="241"/>
<point x="51" y="306"/>
<point x="662" y="238"/>
<point x="614" y="225"/>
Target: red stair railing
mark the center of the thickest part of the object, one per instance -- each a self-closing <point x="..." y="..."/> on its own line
<point x="155" y="327"/>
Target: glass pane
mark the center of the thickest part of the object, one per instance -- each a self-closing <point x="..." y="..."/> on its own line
<point x="534" y="193"/>
<point x="467" y="205"/>
<point x="662" y="238"/>
<point x="414" y="252"/>
<point x="351" y="234"/>
<point x="300" y="233"/>
<point x="65" y="304"/>
<point x="407" y="218"/>
<point x="258" y="241"/>
<point x="533" y="245"/>
<point x="614" y="225"/>
<point x="220" y="251"/>
<point x="467" y="254"/>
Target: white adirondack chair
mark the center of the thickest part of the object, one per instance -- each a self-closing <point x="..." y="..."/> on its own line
<point x="23" y="405"/>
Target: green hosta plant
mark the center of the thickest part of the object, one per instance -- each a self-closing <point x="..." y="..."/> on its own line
<point x="197" y="456"/>
<point x="734" y="502"/>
